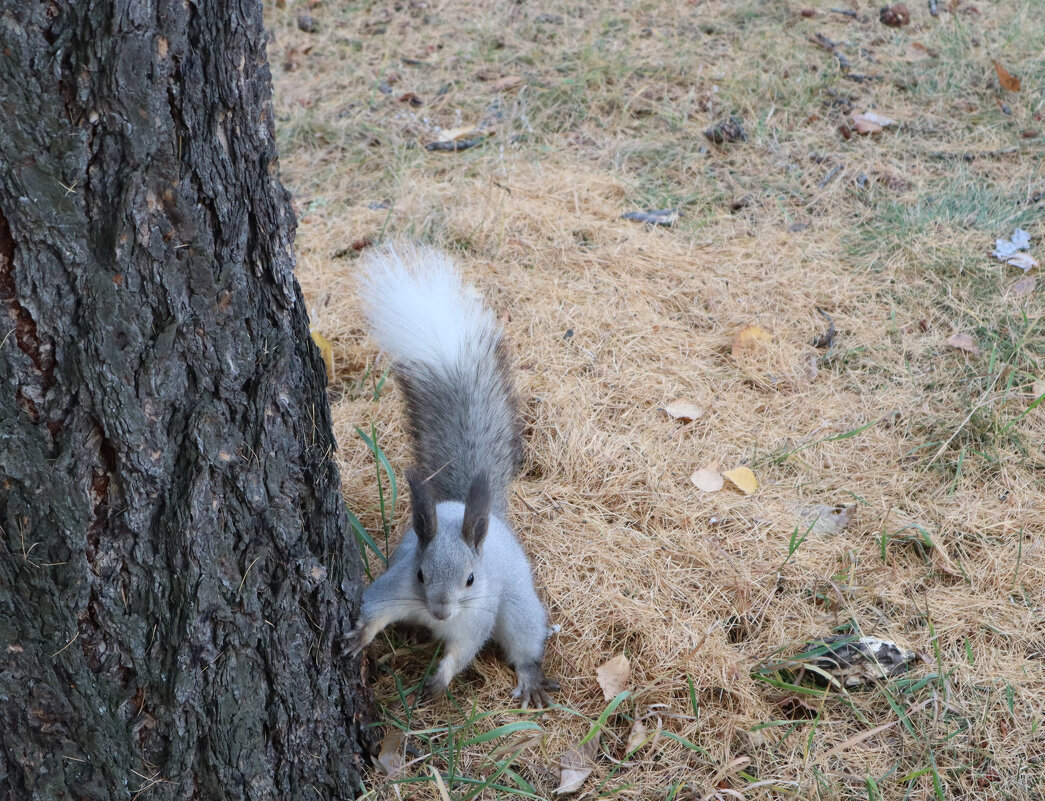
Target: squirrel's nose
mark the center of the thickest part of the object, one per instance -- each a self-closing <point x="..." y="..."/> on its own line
<point x="440" y="612"/>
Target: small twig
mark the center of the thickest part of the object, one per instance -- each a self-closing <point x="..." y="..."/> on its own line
<point x="239" y="589"/>
<point x="832" y="48"/>
<point x="830" y="176"/>
<point x="75" y="636"/>
<point x="844" y="12"/>
<point x="984" y="154"/>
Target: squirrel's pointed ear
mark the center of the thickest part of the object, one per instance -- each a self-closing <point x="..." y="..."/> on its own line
<point x="423" y="507"/>
<point x="476" y="512"/>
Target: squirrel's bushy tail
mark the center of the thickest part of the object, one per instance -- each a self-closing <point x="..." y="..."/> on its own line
<point x="450" y="361"/>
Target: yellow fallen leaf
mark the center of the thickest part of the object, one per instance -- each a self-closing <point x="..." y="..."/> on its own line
<point x="708" y="478"/>
<point x="743" y="478"/>
<point x="453" y="134"/>
<point x="613" y="676"/>
<point x="683" y="410"/>
<point x="748" y="338"/>
<point x="327" y="351"/>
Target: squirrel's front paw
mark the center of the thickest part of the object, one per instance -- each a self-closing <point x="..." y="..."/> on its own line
<point x="535" y="688"/>
<point x="353" y="644"/>
<point x="434" y="689"/>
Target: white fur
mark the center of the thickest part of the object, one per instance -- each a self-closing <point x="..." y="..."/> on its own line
<point x="418" y="309"/>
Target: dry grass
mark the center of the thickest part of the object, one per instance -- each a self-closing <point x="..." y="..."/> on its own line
<point x="608" y="320"/>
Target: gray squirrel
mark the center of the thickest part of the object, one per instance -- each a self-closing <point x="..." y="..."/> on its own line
<point x="459" y="571"/>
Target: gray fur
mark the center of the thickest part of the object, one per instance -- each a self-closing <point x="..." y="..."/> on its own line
<point x="463" y="423"/>
<point x="462" y="415"/>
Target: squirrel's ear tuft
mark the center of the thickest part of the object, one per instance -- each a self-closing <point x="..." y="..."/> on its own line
<point x="476" y="512"/>
<point x="422" y="505"/>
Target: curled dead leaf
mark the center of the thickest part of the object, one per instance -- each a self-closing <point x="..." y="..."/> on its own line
<point x="683" y="410"/>
<point x="1005" y="78"/>
<point x="964" y="342"/>
<point x="826" y="519"/>
<point x="636" y="737"/>
<point x="730" y="129"/>
<point x="454" y="134"/>
<point x="391" y="758"/>
<point x="708" y="478"/>
<point x="851" y="662"/>
<point x="869" y="122"/>
<point x="575" y="766"/>
<point x="1005" y="249"/>
<point x="743" y="479"/>
<point x="1024" y="261"/>
<point x="665" y="217"/>
<point x="507" y="83"/>
<point x="613" y="676"/>
<point x="895" y="16"/>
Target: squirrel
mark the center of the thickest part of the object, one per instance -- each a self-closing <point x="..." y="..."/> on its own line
<point x="459" y="571"/>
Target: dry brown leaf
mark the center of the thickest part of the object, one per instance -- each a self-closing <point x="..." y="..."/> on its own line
<point x="1005" y="78"/>
<point x="444" y="794"/>
<point x="854" y="662"/>
<point x="575" y="766"/>
<point x="391" y="759"/>
<point x="635" y="737"/>
<point x="683" y="410"/>
<point x="507" y="83"/>
<point x="1037" y="390"/>
<point x="916" y="51"/>
<point x="743" y="478"/>
<point x="1024" y="261"/>
<point x="869" y="122"/>
<point x="613" y="676"/>
<point x="749" y="338"/>
<point x="708" y="478"/>
<point x="826" y="519"/>
<point x="1025" y="285"/>
<point x="895" y="16"/>
<point x="964" y="342"/>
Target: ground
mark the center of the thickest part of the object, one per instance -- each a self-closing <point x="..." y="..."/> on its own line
<point x="587" y="110"/>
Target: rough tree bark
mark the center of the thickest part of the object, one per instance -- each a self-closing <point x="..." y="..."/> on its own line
<point x="175" y="565"/>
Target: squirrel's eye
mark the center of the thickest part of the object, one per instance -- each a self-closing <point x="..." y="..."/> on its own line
<point x="471" y="579"/>
<point x="420" y="576"/>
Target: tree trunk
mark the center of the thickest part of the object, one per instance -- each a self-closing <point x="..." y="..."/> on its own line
<point x="175" y="565"/>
